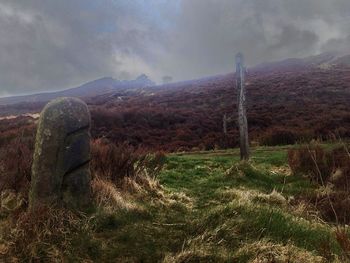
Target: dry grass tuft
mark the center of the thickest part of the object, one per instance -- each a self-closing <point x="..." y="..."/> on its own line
<point x="285" y="170"/>
<point x="109" y="197"/>
<point x="42" y="234"/>
<point x="273" y="198"/>
<point x="174" y="199"/>
<point x="203" y="248"/>
<point x="11" y="201"/>
<point x="265" y="251"/>
<point x="122" y="173"/>
<point x="114" y="162"/>
<point x="148" y="188"/>
<point x="237" y="170"/>
<point x="306" y="210"/>
<point x="192" y="256"/>
<point x="244" y="196"/>
<point x="121" y="169"/>
<point x="343" y="239"/>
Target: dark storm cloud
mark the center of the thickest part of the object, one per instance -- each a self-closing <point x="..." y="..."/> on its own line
<point x="48" y="45"/>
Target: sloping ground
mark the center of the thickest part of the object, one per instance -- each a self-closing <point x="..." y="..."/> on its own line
<point x="212" y="209"/>
<point x="282" y="108"/>
<point x="244" y="212"/>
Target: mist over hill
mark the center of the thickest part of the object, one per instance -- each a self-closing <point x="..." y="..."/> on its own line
<point x="90" y="89"/>
<point x="108" y="85"/>
<point x="328" y="60"/>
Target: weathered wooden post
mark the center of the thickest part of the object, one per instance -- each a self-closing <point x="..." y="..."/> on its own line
<point x="242" y="113"/>
<point x="224" y="125"/>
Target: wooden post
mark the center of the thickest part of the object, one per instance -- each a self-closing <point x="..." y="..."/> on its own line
<point x="242" y="114"/>
<point x="224" y="124"/>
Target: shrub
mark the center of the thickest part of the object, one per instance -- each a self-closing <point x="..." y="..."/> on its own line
<point x="112" y="162"/>
<point x="16" y="162"/>
<point x="322" y="165"/>
<point x="330" y="168"/>
<point x="115" y="162"/>
<point x="340" y="159"/>
<point x="279" y="137"/>
<point x="312" y="161"/>
<point x="334" y="207"/>
<point x="154" y="163"/>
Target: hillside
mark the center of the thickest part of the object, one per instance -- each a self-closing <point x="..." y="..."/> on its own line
<point x="296" y="104"/>
<point x="282" y="109"/>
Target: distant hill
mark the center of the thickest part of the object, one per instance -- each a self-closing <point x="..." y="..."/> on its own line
<point x="90" y="89"/>
<point x="328" y="60"/>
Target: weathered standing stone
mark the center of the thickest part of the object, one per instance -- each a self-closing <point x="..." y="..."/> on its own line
<point x="60" y="171"/>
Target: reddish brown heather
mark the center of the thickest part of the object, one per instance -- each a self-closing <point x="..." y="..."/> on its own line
<point x="283" y="108"/>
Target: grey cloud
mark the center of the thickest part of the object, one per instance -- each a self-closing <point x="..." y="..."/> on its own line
<point x="341" y="45"/>
<point x="294" y="41"/>
<point x="208" y="33"/>
<point x="49" y="45"/>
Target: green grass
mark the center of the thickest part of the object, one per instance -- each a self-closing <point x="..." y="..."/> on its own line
<point x="201" y="176"/>
<point x="217" y="220"/>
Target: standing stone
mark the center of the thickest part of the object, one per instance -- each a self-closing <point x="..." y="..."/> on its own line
<point x="60" y="171"/>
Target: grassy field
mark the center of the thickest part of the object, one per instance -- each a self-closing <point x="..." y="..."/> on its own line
<point x="223" y="211"/>
<point x="243" y="211"/>
<point x="211" y="208"/>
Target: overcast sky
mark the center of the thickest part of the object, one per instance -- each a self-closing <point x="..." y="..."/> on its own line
<point x="56" y="44"/>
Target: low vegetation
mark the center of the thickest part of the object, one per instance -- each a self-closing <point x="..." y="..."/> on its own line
<point x="185" y="207"/>
<point x="282" y="109"/>
<point x="329" y="167"/>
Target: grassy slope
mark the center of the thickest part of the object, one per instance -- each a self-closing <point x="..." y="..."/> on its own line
<point x="209" y="215"/>
<point x="224" y="218"/>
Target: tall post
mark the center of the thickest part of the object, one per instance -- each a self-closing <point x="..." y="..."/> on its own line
<point x="224" y="124"/>
<point x="242" y="113"/>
